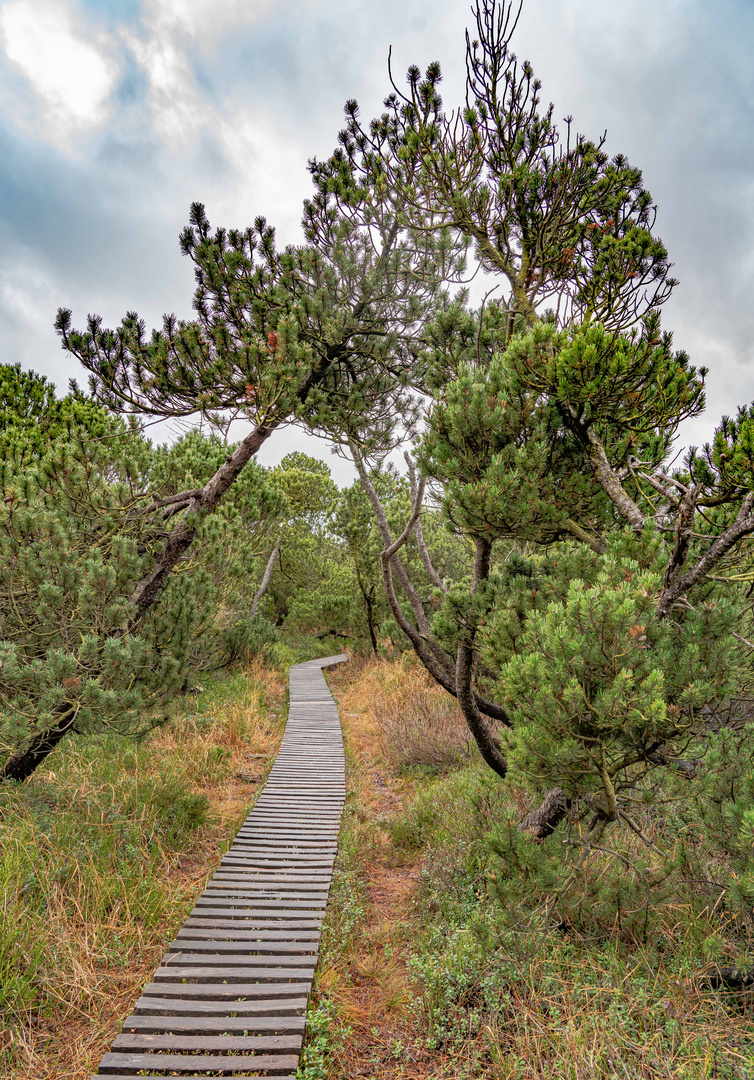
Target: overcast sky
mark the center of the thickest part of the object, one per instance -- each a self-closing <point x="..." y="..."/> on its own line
<point x="116" y="114"/>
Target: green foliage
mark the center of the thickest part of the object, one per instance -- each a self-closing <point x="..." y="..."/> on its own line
<point x="75" y="542"/>
<point x="720" y="821"/>
<point x="71" y="552"/>
<point x="595" y="679"/>
<point x="31" y="416"/>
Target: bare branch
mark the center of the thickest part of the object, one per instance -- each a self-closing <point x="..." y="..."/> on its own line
<point x="432" y="574"/>
<point x="742" y="526"/>
<point x="266" y="576"/>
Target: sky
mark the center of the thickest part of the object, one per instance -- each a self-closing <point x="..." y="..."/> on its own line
<point x="115" y="115"/>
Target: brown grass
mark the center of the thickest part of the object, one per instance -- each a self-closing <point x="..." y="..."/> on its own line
<point x="565" y="1008"/>
<point x="419" y="723"/>
<point x="98" y="966"/>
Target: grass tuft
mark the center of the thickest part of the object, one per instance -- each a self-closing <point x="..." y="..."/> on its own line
<point x="433" y="978"/>
<point x="102" y="853"/>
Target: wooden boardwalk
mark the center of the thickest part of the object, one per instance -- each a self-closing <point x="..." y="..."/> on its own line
<point x="229" y="996"/>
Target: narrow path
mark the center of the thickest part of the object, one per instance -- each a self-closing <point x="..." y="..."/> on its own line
<point x="230" y="993"/>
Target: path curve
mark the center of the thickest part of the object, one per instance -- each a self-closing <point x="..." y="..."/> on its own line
<point x="230" y="993"/>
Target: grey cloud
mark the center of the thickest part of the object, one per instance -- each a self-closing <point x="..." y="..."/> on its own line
<point x="98" y="228"/>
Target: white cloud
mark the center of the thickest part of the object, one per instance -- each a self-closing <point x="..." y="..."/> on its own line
<point x="177" y="109"/>
<point x="69" y="73"/>
<point x="204" y="20"/>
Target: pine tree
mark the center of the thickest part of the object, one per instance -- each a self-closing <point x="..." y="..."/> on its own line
<point x="317" y="335"/>
<point x="554" y="411"/>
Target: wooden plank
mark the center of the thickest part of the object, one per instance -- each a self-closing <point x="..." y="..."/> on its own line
<point x="154" y="1006"/>
<point x="316" y="894"/>
<point x="258" y="910"/>
<point x="268" y="949"/>
<point x="291" y="920"/>
<point x="280" y="881"/>
<point x="210" y="931"/>
<point x="297" y="891"/>
<point x="248" y="961"/>
<point x="219" y="1064"/>
<point x="234" y="992"/>
<point x="214" y="1025"/>
<point x="294" y="878"/>
<point x="239" y="973"/>
<point x="203" y="1043"/>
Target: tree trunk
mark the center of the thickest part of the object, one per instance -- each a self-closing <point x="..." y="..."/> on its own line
<point x="22" y="764"/>
<point x="483" y="737"/>
<point x="368" y="603"/>
<point x="543" y="821"/>
<point x="367" y="596"/>
<point x="266" y="577"/>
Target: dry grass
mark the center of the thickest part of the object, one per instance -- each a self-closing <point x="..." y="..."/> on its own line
<point x="405" y="989"/>
<point x="108" y="908"/>
<point x="373" y="922"/>
<point x="419" y="723"/>
<point x="414" y="720"/>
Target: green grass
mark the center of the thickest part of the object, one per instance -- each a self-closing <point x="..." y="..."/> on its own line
<point x="102" y="852"/>
<point x="499" y="990"/>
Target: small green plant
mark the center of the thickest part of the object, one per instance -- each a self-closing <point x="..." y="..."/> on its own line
<point x="318" y="1044"/>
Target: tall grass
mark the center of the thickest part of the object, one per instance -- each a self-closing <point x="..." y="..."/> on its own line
<point x="419" y="724"/>
<point x="101" y="855"/>
<point x="497" y="995"/>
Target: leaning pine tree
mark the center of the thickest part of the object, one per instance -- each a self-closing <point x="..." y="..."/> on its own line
<point x="308" y="335"/>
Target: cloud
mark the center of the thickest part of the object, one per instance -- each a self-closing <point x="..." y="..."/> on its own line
<point x="203" y="20"/>
<point x="72" y="77"/>
<point x="116" y="114"/>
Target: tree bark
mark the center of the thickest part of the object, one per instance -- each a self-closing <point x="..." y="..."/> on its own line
<point x="180" y="540"/>
<point x="483" y="737"/>
<point x="369" y="605"/>
<point x="22" y="764"/>
<point x="741" y="527"/>
<point x="543" y="821"/>
<point x="266" y="577"/>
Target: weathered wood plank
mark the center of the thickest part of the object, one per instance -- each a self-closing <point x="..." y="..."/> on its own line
<point x="154" y="1006"/>
<point x="214" y="1025"/>
<point x="258" y="1064"/>
<point x="203" y="1043"/>
<point x="234" y="992"/>
<point x="252" y="948"/>
<point x="245" y="960"/>
<point x="210" y="931"/>
<point x="238" y="973"/>
<point x="230" y="993"/>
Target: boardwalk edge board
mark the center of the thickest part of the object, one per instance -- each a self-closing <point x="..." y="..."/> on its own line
<point x="229" y="997"/>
